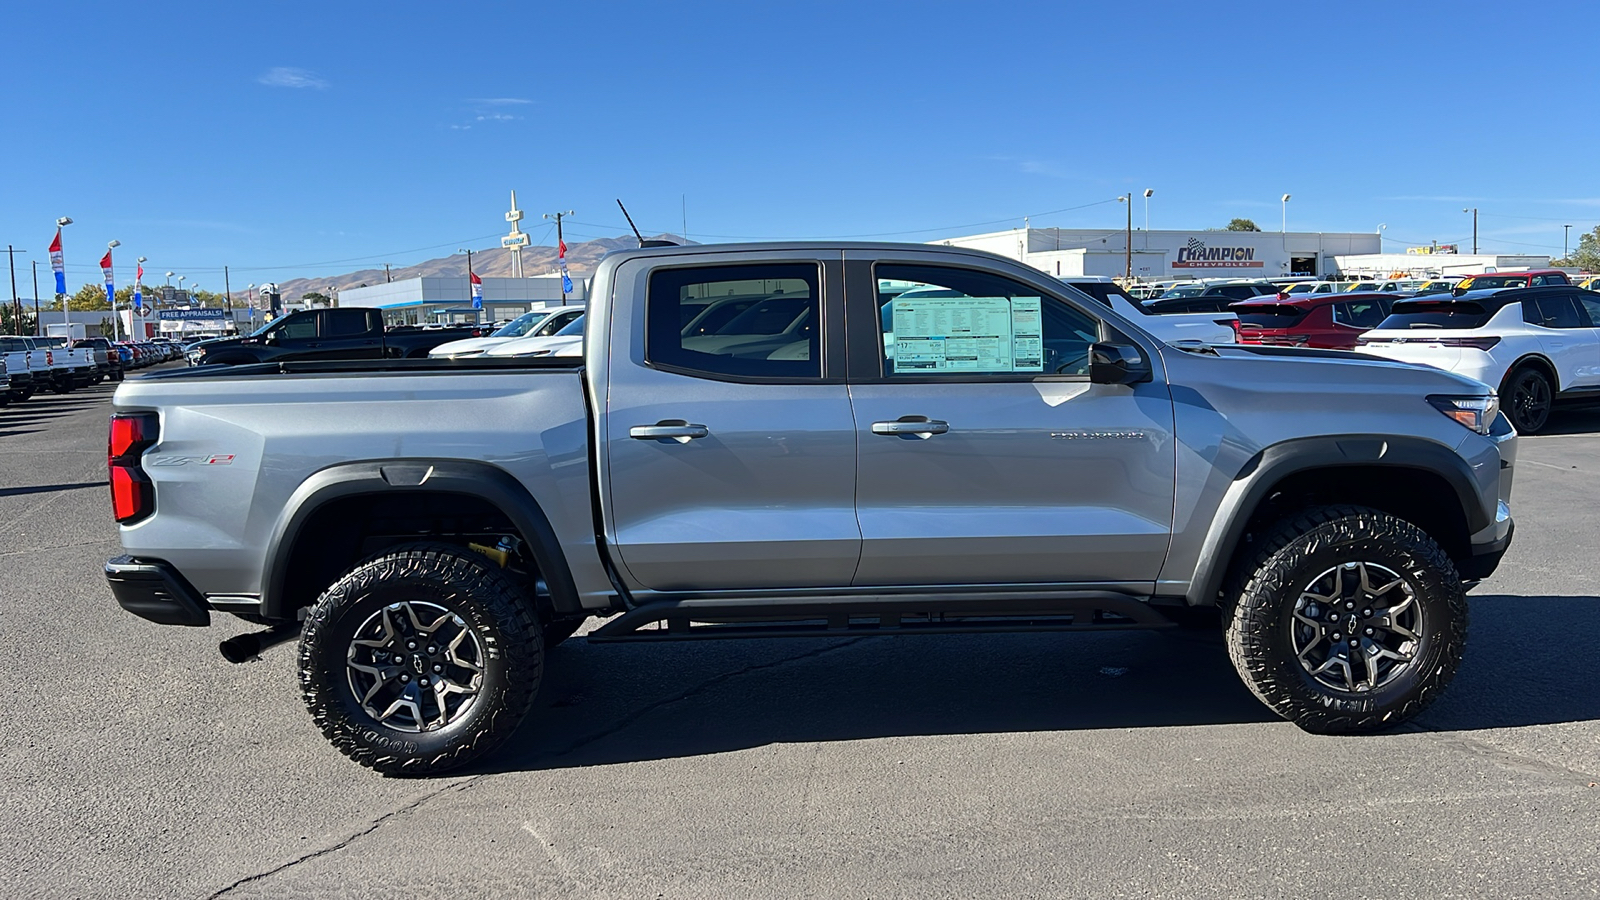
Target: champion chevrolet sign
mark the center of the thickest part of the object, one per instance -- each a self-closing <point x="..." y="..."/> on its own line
<point x="1196" y="255"/>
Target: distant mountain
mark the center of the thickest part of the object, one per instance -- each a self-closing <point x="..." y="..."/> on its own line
<point x="495" y="263"/>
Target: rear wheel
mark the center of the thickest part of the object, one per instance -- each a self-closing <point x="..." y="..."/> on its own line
<point x="1526" y="396"/>
<point x="421" y="660"/>
<point x="1350" y="620"/>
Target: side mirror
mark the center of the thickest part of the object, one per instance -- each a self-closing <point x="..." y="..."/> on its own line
<point x="1118" y="364"/>
<point x="270" y="337"/>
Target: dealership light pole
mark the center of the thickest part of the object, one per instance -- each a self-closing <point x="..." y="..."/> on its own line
<point x="1283" y="228"/>
<point x="1474" y="211"/>
<point x="111" y="294"/>
<point x="35" y="299"/>
<point x="1566" y="232"/>
<point x="66" y="315"/>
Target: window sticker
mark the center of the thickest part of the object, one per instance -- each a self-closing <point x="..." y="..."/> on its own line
<point x="966" y="334"/>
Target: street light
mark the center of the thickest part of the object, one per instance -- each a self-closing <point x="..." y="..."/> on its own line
<point x="64" y="221"/>
<point x="1381" y="228"/>
<point x="1127" y="272"/>
<point x="1474" y="211"/>
<point x="1284" y="227"/>
<point x="1147" y="193"/>
<point x="1566" y="232"/>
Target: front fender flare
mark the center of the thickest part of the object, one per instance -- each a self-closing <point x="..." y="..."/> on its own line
<point x="1269" y="466"/>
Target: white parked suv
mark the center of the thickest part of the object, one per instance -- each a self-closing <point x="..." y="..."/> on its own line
<point x="539" y="323"/>
<point x="1209" y="328"/>
<point x="1538" y="346"/>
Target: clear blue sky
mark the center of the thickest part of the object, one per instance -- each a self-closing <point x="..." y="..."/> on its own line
<point x="290" y="139"/>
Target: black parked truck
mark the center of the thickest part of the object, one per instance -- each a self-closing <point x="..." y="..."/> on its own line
<point x="347" y="333"/>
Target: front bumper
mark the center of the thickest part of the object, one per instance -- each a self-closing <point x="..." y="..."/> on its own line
<point x="152" y="589"/>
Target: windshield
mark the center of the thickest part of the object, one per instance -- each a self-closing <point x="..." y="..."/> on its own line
<point x="1478" y="282"/>
<point x="1187" y="290"/>
<point x="519" y="326"/>
<point x="1303" y="288"/>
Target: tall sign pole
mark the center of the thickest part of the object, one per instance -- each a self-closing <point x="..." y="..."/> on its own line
<point x="35" y="296"/>
<point x="516" y="240"/>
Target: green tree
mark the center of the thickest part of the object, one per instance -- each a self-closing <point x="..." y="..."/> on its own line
<point x="90" y="297"/>
<point x="1587" y="254"/>
<point x="1242" y="225"/>
<point x="8" y="322"/>
<point x="316" y="297"/>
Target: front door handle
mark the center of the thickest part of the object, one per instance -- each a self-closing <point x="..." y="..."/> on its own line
<point x="668" y="430"/>
<point x="911" y="427"/>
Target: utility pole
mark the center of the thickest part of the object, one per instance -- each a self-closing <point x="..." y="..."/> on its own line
<point x="1474" y="212"/>
<point x="1566" y="234"/>
<point x="561" y="251"/>
<point x="386" y="277"/>
<point x="35" y="295"/>
<point x="227" y="297"/>
<point x="16" y="304"/>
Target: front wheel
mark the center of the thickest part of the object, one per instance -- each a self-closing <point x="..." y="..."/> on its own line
<point x="1351" y="620"/>
<point x="1526" y="395"/>
<point x="421" y="660"/>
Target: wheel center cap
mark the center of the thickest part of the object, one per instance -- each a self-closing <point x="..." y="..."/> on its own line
<point x="1352" y="623"/>
<point x="419" y="663"/>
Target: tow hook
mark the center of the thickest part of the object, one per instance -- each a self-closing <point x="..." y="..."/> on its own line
<point x="246" y="647"/>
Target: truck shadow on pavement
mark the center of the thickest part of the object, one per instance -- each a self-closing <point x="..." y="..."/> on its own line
<point x="1530" y="661"/>
<point x="49" y="488"/>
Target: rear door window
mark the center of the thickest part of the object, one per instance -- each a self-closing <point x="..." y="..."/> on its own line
<point x="344" y="323"/>
<point x="759" y="321"/>
<point x="1278" y="316"/>
<point x="1359" y="313"/>
<point x="1559" y="311"/>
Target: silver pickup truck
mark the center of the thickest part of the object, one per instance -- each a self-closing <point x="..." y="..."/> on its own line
<point x="812" y="440"/>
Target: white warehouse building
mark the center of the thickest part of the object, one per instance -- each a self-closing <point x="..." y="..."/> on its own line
<point x="424" y="300"/>
<point x="1173" y="254"/>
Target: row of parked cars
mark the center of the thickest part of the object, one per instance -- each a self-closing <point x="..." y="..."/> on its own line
<point x="1533" y="335"/>
<point x="56" y="364"/>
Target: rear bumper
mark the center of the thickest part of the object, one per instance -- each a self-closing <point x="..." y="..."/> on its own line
<point x="152" y="589"/>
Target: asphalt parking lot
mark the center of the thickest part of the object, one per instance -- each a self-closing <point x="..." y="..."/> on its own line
<point x="138" y="763"/>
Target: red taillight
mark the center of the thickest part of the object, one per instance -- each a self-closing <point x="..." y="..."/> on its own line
<point x="1476" y="343"/>
<point x="132" y="495"/>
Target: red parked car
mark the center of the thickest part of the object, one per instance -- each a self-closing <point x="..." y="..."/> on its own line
<point x="1329" y="321"/>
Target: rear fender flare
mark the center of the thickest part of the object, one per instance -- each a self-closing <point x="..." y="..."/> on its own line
<point x="446" y="476"/>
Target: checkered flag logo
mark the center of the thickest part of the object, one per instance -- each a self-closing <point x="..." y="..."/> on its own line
<point x="1196" y="245"/>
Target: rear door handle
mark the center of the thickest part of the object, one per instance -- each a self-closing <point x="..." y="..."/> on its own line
<point x="668" y="430"/>
<point x="911" y="427"/>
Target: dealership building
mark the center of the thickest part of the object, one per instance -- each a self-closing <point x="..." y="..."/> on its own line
<point x="446" y="299"/>
<point x="1174" y="254"/>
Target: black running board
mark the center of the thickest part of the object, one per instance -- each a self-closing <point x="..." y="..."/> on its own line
<point x="703" y="618"/>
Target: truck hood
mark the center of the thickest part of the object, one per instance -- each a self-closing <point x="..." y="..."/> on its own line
<point x="1338" y="369"/>
<point x="468" y="347"/>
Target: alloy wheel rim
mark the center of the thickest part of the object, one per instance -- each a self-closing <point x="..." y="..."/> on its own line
<point x="1533" y="398"/>
<point x="415" y="666"/>
<point x="1357" y="627"/>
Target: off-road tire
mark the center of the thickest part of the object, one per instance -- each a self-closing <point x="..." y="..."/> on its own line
<point x="1312" y="541"/>
<point x="497" y="612"/>
<point x="1527" y="398"/>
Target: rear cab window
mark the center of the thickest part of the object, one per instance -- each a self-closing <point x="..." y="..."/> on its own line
<point x="1441" y="313"/>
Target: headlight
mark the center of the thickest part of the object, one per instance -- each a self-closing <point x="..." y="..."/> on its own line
<point x="1476" y="413"/>
<point x="464" y="354"/>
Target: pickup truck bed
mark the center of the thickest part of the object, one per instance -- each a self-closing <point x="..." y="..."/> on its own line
<point x="768" y="440"/>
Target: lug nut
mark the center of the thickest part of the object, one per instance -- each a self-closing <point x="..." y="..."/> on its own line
<point x="439" y="668"/>
<point x="1350" y="605"/>
<point x="1366" y="613"/>
<point x="1369" y="632"/>
<point x="1337" y="636"/>
<point x="405" y="678"/>
<point x="411" y="645"/>
<point x="432" y="649"/>
<point x="423" y="681"/>
<point x="1355" y="642"/>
